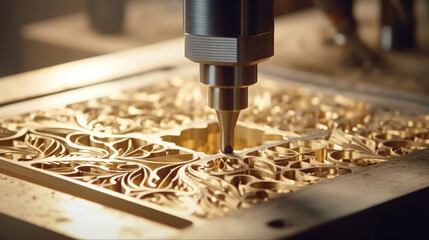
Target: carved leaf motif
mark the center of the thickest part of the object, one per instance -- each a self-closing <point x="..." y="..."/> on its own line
<point x="129" y="143"/>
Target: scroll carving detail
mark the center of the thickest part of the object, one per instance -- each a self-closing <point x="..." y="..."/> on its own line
<point x="113" y="142"/>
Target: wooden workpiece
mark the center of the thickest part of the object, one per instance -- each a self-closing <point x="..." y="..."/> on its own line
<point x="56" y="220"/>
<point x="347" y="206"/>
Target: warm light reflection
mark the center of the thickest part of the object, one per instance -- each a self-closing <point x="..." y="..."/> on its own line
<point x="159" y="144"/>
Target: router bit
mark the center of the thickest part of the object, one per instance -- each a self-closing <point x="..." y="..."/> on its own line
<point x="228" y="38"/>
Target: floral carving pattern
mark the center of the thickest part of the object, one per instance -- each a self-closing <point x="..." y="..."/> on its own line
<point x="116" y="142"/>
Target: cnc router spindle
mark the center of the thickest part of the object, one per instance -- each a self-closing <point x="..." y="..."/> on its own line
<point x="228" y="38"/>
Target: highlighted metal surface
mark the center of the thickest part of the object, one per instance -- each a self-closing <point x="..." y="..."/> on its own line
<point x="157" y="146"/>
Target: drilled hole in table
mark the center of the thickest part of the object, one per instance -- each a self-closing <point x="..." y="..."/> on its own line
<point x="279" y="223"/>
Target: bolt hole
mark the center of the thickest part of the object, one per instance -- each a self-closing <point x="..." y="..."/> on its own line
<point x="278" y="223"/>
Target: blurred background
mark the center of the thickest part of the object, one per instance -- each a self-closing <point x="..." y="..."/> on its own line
<point x="382" y="42"/>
